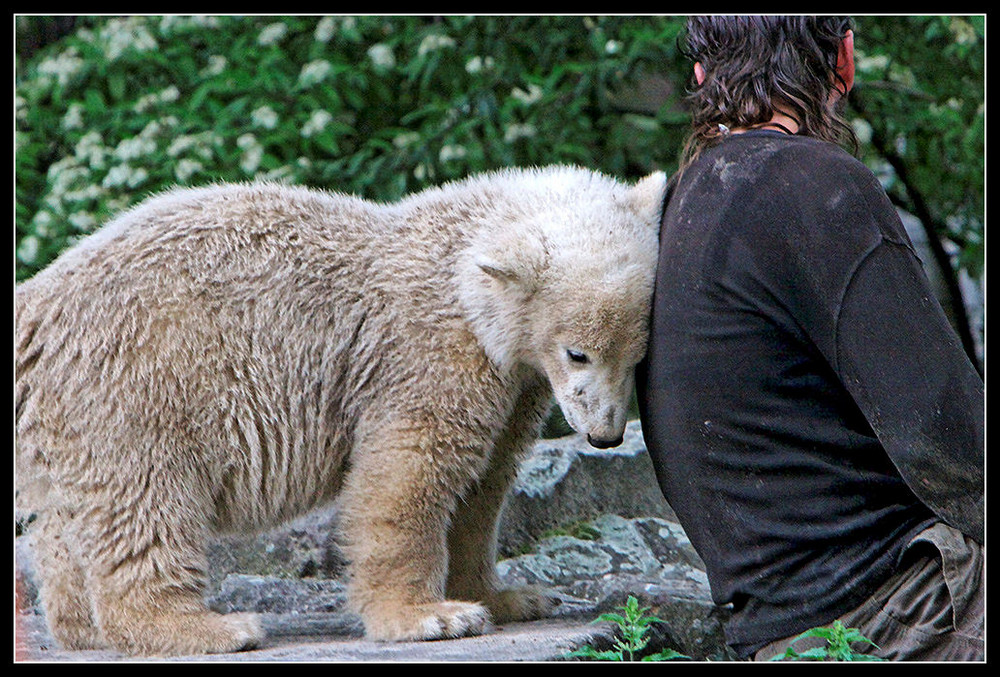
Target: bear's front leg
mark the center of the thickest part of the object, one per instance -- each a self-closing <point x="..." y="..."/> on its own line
<point x="397" y="503"/>
<point x="472" y="539"/>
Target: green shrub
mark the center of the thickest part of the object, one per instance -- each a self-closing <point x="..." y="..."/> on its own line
<point x="633" y="625"/>
<point x="375" y="106"/>
<point x="838" y="647"/>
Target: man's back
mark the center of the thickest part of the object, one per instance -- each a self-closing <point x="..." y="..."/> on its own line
<point x="765" y="395"/>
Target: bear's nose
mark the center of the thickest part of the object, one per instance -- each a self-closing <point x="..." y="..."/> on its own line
<point x="605" y="444"/>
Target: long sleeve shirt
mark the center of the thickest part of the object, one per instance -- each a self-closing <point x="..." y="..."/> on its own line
<point x="806" y="404"/>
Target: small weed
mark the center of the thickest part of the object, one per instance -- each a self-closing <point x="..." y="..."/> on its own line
<point x="838" y="645"/>
<point x="633" y="624"/>
<point x="581" y="529"/>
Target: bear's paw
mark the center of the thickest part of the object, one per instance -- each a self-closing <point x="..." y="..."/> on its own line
<point x="519" y="604"/>
<point x="439" y="620"/>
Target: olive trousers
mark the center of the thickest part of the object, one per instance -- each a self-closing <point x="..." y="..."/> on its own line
<point x="931" y="609"/>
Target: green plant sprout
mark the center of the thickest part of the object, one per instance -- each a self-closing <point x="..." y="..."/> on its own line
<point x="633" y="624"/>
<point x="838" y="645"/>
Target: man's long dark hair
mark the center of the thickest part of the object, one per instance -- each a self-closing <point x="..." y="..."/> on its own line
<point x="754" y="64"/>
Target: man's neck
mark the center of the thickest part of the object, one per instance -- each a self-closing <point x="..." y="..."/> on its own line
<point x="779" y="121"/>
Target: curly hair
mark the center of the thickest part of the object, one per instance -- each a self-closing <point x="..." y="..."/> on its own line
<point x="755" y="64"/>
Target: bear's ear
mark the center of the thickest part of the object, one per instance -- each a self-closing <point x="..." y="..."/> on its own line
<point x="515" y="260"/>
<point x="497" y="270"/>
<point x="519" y="273"/>
<point x="646" y="197"/>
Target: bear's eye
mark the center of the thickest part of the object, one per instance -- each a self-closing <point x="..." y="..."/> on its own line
<point x="577" y="356"/>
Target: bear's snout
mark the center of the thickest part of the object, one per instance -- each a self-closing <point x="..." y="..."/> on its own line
<point x="604" y="444"/>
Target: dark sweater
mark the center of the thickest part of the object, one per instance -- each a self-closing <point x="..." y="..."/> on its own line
<point x="806" y="404"/>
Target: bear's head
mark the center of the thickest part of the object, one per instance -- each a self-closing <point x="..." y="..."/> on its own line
<point x="568" y="292"/>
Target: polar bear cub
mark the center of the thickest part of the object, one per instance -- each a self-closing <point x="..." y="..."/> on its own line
<point x="224" y="358"/>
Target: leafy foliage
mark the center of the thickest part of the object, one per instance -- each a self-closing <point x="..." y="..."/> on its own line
<point x="381" y="106"/>
<point x="838" y="647"/>
<point x="375" y="106"/>
<point x="921" y="92"/>
<point x="633" y="625"/>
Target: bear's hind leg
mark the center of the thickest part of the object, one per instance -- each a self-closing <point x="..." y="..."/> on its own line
<point x="64" y="593"/>
<point x="147" y="572"/>
<point x="173" y="622"/>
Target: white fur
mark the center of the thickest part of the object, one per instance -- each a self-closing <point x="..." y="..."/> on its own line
<point x="227" y="357"/>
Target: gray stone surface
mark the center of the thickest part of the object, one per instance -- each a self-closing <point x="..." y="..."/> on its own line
<point x="565" y="480"/>
<point x="540" y="641"/>
<point x="589" y="525"/>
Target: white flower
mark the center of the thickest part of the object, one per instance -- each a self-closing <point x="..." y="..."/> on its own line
<point x="253" y="153"/>
<point x="963" y="32"/>
<point x="264" y="117"/>
<point x="216" y="64"/>
<point x="612" y="47"/>
<point x="42" y="224"/>
<point x="405" y="139"/>
<point x="84" y="221"/>
<point x="84" y="194"/>
<point x="187" y="168"/>
<point x="451" y="152"/>
<point x="62" y="67"/>
<point x="314" y="72"/>
<point x="871" y="63"/>
<point x="168" y="95"/>
<point x="316" y="122"/>
<point x="170" y="22"/>
<point x="121" y="35"/>
<point x="325" y="29"/>
<point x="144" y="103"/>
<point x="382" y="56"/>
<point x="272" y="34"/>
<point x="250" y="159"/>
<point x="477" y="64"/>
<point x="137" y="177"/>
<point x="433" y="42"/>
<point x="122" y="175"/>
<point x="159" y="126"/>
<point x="136" y="147"/>
<point x="862" y="130"/>
<point x="200" y="143"/>
<point x="180" y="144"/>
<point x="74" y="117"/>
<point x="422" y="171"/>
<point x="529" y="97"/>
<point x="515" y="131"/>
<point x="64" y="174"/>
<point x="27" y="251"/>
<point x="20" y="107"/>
<point x="282" y="174"/>
<point x="116" y="176"/>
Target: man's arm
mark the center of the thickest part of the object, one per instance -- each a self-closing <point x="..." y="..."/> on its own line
<point x="905" y="367"/>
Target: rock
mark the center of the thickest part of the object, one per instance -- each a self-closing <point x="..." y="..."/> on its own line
<point x="565" y="480"/>
<point x="622" y="541"/>
<point x="649" y="558"/>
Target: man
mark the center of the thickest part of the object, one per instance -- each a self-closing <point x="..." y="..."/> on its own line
<point x="811" y="415"/>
